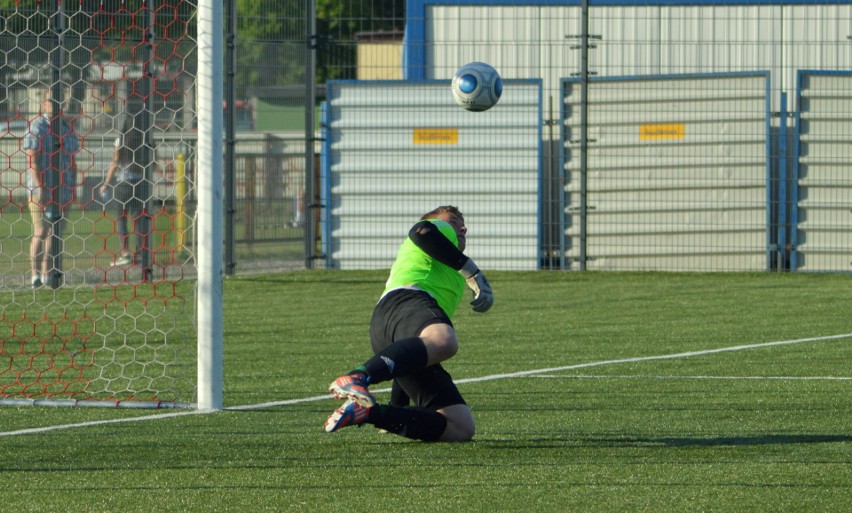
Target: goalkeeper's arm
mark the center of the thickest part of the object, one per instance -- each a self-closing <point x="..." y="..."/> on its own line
<point x="429" y="238"/>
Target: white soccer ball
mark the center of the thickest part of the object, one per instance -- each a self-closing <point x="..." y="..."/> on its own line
<point x="477" y="86"/>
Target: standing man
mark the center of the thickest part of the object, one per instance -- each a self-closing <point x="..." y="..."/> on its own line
<point x="51" y="189"/>
<point x="412" y="333"/>
<point x="130" y="193"/>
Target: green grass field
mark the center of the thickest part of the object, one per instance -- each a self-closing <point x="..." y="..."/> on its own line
<point x="574" y="411"/>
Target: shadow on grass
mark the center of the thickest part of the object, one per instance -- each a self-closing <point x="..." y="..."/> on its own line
<point x="750" y="440"/>
<point x="733" y="441"/>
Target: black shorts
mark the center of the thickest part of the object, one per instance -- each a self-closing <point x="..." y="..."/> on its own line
<point x="404" y="313"/>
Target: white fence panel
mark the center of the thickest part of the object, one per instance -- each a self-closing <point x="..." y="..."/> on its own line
<point x="395" y="150"/>
<point x="822" y="216"/>
<point x="676" y="173"/>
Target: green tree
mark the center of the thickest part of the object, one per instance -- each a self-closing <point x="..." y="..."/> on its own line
<point x="272" y="38"/>
<point x="339" y="21"/>
<point x="270" y="44"/>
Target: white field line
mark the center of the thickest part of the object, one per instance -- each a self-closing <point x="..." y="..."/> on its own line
<point x="33" y="431"/>
<point x="492" y="377"/>
<point x="732" y="378"/>
<point x="650" y="358"/>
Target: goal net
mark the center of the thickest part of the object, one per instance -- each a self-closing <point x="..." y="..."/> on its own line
<point x="97" y="202"/>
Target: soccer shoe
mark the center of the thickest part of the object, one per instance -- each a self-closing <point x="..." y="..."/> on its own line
<point x="350" y="414"/>
<point x="353" y="387"/>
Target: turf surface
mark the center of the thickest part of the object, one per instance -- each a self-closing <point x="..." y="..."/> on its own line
<point x="606" y="428"/>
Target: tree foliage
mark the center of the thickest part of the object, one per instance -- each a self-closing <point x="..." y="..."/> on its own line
<point x="338" y="22"/>
<point x="271" y="40"/>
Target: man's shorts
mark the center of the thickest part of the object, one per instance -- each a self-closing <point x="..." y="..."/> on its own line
<point x="39" y="213"/>
<point x="404" y="313"/>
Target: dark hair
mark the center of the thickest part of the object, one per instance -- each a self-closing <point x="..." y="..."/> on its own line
<point x="131" y="150"/>
<point x="441" y="210"/>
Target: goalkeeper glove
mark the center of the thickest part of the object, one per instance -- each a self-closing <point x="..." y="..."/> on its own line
<point x="483" y="296"/>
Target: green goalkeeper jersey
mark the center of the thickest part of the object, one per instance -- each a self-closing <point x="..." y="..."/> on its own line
<point x="414" y="267"/>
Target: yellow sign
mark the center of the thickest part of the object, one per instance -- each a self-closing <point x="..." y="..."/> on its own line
<point x="436" y="136"/>
<point x="662" y="132"/>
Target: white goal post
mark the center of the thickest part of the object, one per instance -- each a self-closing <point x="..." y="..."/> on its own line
<point x="210" y="174"/>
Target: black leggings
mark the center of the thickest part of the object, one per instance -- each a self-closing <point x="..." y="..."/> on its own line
<point x="129" y="201"/>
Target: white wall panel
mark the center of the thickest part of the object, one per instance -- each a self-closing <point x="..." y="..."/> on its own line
<point x="519" y="41"/>
<point x="528" y="41"/>
<point x="816" y="37"/>
<point x="505" y="37"/>
<point x="718" y="39"/>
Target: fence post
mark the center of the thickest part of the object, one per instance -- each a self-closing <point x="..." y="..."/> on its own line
<point x="180" y="200"/>
<point x="251" y="200"/>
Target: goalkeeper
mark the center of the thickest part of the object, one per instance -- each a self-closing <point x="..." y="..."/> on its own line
<point x="411" y="334"/>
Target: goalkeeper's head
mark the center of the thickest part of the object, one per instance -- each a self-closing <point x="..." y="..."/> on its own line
<point x="453" y="216"/>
